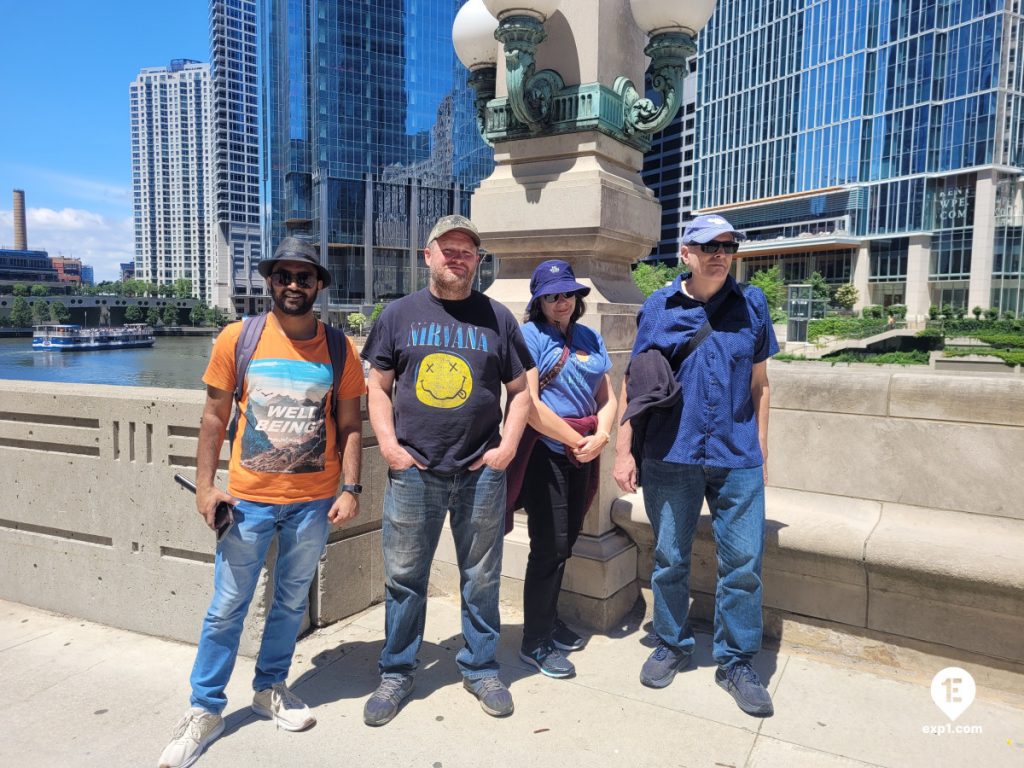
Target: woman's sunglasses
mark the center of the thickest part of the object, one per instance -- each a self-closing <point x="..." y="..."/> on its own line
<point x="551" y="298"/>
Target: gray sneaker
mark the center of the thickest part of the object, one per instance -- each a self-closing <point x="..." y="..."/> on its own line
<point x="743" y="684"/>
<point x="548" y="659"/>
<point x="661" y="666"/>
<point x="383" y="705"/>
<point x="191" y="735"/>
<point x="492" y="694"/>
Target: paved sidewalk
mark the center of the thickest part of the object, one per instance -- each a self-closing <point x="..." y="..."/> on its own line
<point x="81" y="694"/>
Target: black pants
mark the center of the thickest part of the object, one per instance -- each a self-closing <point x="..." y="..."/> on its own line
<point x="553" y="495"/>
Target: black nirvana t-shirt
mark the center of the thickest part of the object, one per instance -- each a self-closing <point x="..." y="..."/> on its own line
<point x="449" y="359"/>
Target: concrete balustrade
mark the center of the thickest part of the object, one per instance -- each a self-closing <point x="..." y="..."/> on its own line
<point x="94" y="525"/>
<point x="894" y="507"/>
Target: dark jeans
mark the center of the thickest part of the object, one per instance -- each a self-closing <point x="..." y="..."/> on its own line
<point x="553" y="495"/>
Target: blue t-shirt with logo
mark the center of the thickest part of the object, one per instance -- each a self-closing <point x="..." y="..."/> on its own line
<point x="571" y="393"/>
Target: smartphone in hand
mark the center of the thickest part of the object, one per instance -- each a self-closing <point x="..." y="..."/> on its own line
<point x="224" y="516"/>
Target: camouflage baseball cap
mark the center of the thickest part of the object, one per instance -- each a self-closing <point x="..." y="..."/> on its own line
<point x="454" y="223"/>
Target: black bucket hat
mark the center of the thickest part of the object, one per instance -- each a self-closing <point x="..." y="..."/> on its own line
<point x="296" y="249"/>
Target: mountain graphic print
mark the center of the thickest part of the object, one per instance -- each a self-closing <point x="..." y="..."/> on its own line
<point x="285" y="416"/>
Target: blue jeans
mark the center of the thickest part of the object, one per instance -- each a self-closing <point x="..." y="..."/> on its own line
<point x="301" y="531"/>
<point x="415" y="505"/>
<point x="673" y="494"/>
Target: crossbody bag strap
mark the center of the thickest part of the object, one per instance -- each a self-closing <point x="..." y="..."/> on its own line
<point x="548" y="377"/>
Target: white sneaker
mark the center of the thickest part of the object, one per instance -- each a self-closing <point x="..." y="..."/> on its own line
<point x="284" y="707"/>
<point x="192" y="735"/>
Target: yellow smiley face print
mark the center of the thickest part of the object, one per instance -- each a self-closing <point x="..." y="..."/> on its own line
<point x="443" y="381"/>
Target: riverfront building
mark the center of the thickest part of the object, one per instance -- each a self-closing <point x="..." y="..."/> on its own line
<point x="171" y="116"/>
<point x="668" y="171"/>
<point x="874" y="141"/>
<point x="369" y="135"/>
<point x="237" y="286"/>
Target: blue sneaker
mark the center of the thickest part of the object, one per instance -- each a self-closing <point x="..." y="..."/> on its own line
<point x="743" y="684"/>
<point x="661" y="666"/>
<point x="548" y="659"/>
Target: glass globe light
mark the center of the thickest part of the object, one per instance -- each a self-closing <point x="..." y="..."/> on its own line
<point x="654" y="16"/>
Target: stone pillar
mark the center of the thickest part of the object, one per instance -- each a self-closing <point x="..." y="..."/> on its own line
<point x="983" y="241"/>
<point x="861" y="275"/>
<point x="919" y="257"/>
<point x="578" y="197"/>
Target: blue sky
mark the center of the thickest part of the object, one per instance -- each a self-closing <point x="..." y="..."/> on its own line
<point x="64" y="130"/>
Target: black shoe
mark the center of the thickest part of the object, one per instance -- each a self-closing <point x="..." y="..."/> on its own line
<point x="565" y="639"/>
<point x="743" y="684"/>
<point x="661" y="666"/>
<point x="549" y="660"/>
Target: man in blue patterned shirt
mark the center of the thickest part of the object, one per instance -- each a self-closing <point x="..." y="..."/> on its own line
<point x="713" y="445"/>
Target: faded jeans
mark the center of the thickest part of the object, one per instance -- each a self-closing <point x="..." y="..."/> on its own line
<point x="673" y="494"/>
<point x="416" y="503"/>
<point x="301" y="531"/>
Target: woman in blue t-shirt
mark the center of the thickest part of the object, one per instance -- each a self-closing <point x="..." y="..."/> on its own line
<point x="573" y="412"/>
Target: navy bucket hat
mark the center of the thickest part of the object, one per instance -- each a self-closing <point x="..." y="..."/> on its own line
<point x="554" y="276"/>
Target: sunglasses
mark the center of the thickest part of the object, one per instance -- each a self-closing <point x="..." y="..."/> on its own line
<point x="551" y="298"/>
<point x="285" y="278"/>
<point x="715" y="246"/>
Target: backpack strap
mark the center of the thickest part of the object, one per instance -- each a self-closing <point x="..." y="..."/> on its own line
<point x="245" y="348"/>
<point x="337" y="348"/>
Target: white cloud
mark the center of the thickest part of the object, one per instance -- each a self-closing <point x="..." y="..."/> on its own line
<point x="102" y="242"/>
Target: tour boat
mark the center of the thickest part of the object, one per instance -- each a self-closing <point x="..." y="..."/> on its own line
<point x="74" y="337"/>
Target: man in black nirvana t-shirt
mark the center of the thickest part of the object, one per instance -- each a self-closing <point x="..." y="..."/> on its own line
<point x="438" y="359"/>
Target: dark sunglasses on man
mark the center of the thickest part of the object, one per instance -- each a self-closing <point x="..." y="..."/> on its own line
<point x="715" y="246"/>
<point x="284" y="278"/>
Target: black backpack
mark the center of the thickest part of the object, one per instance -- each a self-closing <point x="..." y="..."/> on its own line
<point x="245" y="348"/>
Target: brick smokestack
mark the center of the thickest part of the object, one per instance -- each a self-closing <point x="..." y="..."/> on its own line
<point x="20" y="238"/>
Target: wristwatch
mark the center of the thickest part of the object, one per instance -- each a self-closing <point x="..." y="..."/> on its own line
<point x="354" y="488"/>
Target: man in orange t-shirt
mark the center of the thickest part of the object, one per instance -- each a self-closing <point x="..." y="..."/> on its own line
<point x="287" y="458"/>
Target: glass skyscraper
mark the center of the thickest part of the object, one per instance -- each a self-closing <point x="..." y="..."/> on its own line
<point x="237" y="285"/>
<point x="879" y="142"/>
<point x="369" y="135"/>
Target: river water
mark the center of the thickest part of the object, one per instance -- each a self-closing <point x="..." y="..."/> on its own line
<point x="173" y="361"/>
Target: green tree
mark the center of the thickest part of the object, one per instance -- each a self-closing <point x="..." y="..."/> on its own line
<point x="20" y="289"/>
<point x="170" y="315"/>
<point x="377" y="309"/>
<point x="200" y="314"/>
<point x="59" y="313"/>
<point x="820" y="290"/>
<point x="153" y="316"/>
<point x="977" y="313"/>
<point x="770" y="281"/>
<point x="133" y="314"/>
<point x="846" y="295"/>
<point x="650" y="276"/>
<point x="21" y="313"/>
<point x="216" y="317"/>
<point x="40" y="312"/>
<point x="358" y="321"/>
<point x="39" y="290"/>
<point x="183" y="288"/>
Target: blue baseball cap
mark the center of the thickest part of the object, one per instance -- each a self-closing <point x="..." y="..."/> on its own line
<point x="554" y="276"/>
<point x="704" y="229"/>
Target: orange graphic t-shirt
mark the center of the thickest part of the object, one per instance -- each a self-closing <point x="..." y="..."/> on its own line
<point x="285" y="448"/>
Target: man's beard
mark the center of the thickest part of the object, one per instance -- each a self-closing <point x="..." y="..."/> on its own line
<point x="447" y="283"/>
<point x="302" y="308"/>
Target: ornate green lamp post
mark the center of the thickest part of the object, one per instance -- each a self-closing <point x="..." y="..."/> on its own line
<point x="560" y="98"/>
